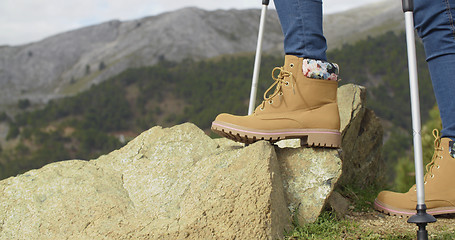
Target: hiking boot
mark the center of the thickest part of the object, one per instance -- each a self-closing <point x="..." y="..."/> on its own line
<point x="300" y="107"/>
<point x="439" y="188"/>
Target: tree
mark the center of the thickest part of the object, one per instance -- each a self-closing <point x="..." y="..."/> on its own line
<point x="23" y="104"/>
<point x="3" y="117"/>
<point x="87" y="69"/>
<point x="405" y="176"/>
<point x="13" y="132"/>
<point x="427" y="134"/>
<point x="102" y="66"/>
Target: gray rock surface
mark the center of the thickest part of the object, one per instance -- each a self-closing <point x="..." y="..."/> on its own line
<point x="361" y="139"/>
<point x="172" y="183"/>
<point x="309" y="177"/>
<point x="339" y="204"/>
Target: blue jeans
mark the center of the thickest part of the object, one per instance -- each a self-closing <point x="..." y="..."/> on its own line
<point x="435" y="23"/>
<point x="301" y="22"/>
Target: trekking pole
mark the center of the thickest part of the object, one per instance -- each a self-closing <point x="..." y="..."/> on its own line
<point x="422" y="218"/>
<point x="257" y="60"/>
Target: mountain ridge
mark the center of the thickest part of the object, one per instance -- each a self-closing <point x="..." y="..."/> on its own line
<point x="70" y="62"/>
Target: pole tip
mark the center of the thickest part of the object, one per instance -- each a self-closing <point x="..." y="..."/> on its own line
<point x="422" y="216"/>
<point x="265" y="2"/>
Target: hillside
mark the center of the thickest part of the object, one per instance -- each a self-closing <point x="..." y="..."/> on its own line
<point x="70" y="62"/>
<point x="109" y="114"/>
<point x="357" y="24"/>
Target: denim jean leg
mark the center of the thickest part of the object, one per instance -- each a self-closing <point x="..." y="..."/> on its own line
<point x="301" y="22"/>
<point x="435" y="24"/>
<point x="442" y="71"/>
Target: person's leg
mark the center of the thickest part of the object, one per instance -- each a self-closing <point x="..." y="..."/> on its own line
<point x="435" y="24"/>
<point x="442" y="71"/>
<point x="434" y="21"/>
<point x="304" y="102"/>
<point x="301" y="22"/>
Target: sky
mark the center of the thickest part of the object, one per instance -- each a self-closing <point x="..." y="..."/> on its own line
<point x="25" y="21"/>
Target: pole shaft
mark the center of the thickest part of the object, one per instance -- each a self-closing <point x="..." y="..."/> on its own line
<point x="257" y="62"/>
<point x="421" y="218"/>
<point x="415" y="106"/>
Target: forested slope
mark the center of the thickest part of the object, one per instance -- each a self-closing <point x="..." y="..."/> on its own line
<point x="109" y="114"/>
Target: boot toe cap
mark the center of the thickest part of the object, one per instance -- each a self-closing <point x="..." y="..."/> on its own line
<point x="395" y="203"/>
<point x="224" y="117"/>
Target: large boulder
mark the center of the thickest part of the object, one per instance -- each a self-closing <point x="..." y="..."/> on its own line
<point x="165" y="184"/>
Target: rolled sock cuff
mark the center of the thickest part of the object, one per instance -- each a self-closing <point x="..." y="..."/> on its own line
<point x="319" y="69"/>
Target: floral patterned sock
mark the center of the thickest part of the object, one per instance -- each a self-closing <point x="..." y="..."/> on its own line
<point x="319" y="69"/>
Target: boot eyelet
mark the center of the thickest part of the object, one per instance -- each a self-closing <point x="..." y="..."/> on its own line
<point x="262" y="109"/>
<point x="286" y="83"/>
<point x="440" y="157"/>
<point x="291" y="65"/>
<point x="270" y="101"/>
<point x="437" y="167"/>
<point x="432" y="176"/>
<point x="425" y="182"/>
<point x="281" y="94"/>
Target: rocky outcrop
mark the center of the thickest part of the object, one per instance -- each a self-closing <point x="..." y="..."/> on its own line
<point x="309" y="176"/>
<point x="166" y="184"/>
<point x="362" y="139"/>
<point x="177" y="183"/>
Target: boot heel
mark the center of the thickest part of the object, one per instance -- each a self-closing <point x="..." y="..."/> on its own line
<point x="328" y="138"/>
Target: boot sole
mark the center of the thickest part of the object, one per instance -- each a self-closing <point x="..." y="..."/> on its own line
<point x="393" y="211"/>
<point x="311" y="137"/>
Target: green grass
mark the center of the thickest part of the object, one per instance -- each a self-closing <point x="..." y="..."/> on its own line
<point x="443" y="236"/>
<point x="329" y="226"/>
<point x="362" y="199"/>
<point x="79" y="84"/>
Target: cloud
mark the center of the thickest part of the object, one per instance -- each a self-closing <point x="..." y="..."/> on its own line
<point x="23" y="21"/>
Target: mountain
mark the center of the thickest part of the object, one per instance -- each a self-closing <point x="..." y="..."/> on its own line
<point x="356" y="24"/>
<point x="71" y="62"/>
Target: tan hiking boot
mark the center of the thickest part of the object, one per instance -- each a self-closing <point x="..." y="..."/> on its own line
<point x="439" y="185"/>
<point x="300" y="107"/>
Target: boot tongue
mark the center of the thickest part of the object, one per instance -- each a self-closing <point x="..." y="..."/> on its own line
<point x="452" y="149"/>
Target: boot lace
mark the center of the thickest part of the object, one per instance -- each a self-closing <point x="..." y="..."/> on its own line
<point x="279" y="81"/>
<point x="436" y="155"/>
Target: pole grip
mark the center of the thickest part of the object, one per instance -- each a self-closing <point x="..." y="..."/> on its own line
<point x="408" y="5"/>
<point x="265" y="2"/>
